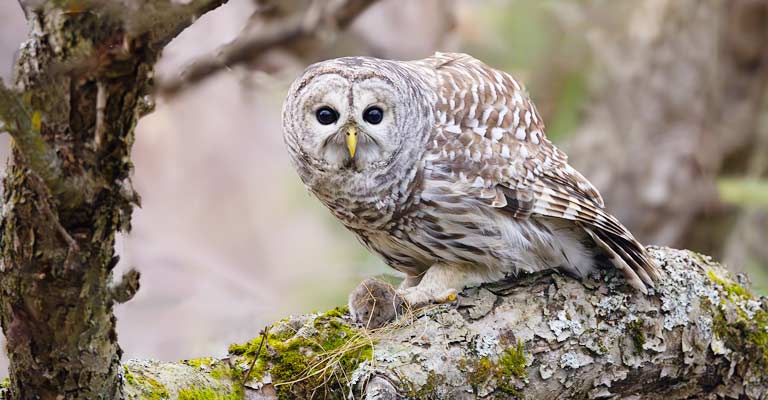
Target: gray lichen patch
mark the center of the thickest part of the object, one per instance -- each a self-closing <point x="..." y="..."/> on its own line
<point x="574" y="360"/>
<point x="685" y="283"/>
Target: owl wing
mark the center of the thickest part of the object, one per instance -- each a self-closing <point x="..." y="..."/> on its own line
<point x="493" y="138"/>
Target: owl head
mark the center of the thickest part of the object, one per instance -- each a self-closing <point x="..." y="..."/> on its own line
<point x="355" y="114"/>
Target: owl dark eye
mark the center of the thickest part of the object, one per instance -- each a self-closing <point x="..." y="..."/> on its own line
<point x="373" y="115"/>
<point x="326" y="115"/>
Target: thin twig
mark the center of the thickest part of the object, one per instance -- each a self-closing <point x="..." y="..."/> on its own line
<point x="253" y="43"/>
<point x="168" y="18"/>
<point x="127" y="287"/>
<point x="264" y="335"/>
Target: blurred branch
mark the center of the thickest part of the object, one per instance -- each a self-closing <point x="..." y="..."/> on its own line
<point x="320" y="19"/>
<point x="161" y="19"/>
<point x="127" y="287"/>
<point x="166" y="19"/>
<point x="748" y="191"/>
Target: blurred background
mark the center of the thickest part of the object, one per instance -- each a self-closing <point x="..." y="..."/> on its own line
<point x="659" y="102"/>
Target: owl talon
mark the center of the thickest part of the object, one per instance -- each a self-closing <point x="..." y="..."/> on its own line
<point x="417" y="297"/>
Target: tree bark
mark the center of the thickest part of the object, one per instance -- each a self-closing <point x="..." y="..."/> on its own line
<point x="700" y="334"/>
<point x="82" y="81"/>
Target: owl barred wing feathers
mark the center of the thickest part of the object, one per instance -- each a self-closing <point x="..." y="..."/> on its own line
<point x="492" y="133"/>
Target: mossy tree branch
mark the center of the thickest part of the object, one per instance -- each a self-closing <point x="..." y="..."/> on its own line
<point x="701" y="334"/>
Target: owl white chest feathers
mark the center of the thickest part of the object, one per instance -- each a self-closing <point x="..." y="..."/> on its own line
<point x="471" y="184"/>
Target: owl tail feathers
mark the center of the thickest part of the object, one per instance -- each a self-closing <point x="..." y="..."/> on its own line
<point x="629" y="256"/>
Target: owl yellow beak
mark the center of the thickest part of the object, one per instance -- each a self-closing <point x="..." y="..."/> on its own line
<point x="352" y="140"/>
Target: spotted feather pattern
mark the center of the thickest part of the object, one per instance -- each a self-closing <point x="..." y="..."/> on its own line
<point x="493" y="139"/>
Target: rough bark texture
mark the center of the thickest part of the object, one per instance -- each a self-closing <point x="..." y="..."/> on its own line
<point x="81" y="83"/>
<point x="545" y="336"/>
<point x="684" y="81"/>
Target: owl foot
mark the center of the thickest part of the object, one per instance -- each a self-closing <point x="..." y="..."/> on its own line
<point x="438" y="284"/>
<point x="418" y="297"/>
<point x="373" y="303"/>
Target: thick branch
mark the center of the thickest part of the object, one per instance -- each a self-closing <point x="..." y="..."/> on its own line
<point x="544" y="336"/>
<point x="166" y="19"/>
<point x="312" y="25"/>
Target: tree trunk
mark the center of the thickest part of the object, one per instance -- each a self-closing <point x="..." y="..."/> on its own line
<point x="545" y="336"/>
<point x="82" y="81"/>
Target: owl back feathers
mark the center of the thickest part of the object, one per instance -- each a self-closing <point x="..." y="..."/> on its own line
<point x="490" y="136"/>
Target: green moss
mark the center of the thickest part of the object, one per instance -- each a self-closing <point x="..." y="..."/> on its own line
<point x="316" y="363"/>
<point x="337" y="312"/>
<point x="240" y="349"/>
<point x="508" y="371"/>
<point x="207" y="394"/>
<point x="149" y="387"/>
<point x="512" y="361"/>
<point x="428" y="391"/>
<point x="734" y="290"/>
<point x="480" y="373"/>
<point x="739" y="331"/>
<point x="219" y="370"/>
<point x="5" y="388"/>
<point x="224" y="371"/>
<point x="748" y="335"/>
<point x="204" y="362"/>
<point x="635" y="330"/>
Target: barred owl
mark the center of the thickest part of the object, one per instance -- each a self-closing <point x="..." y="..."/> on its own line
<point x="441" y="166"/>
